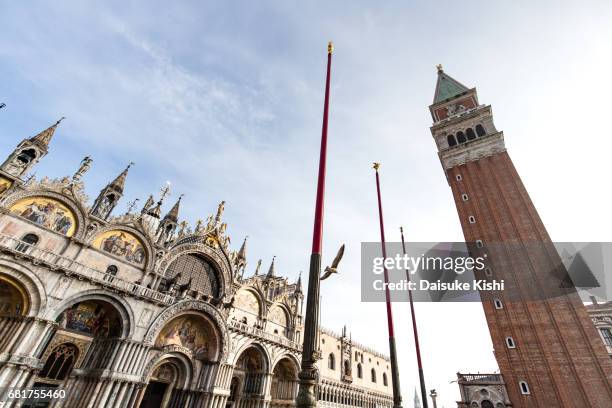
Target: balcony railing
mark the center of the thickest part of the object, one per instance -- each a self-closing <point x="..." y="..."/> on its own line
<point x="61" y="262"/>
<point x="257" y="332"/>
<point x="481" y="378"/>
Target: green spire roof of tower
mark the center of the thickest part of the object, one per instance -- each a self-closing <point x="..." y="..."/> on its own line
<point x="447" y="87"/>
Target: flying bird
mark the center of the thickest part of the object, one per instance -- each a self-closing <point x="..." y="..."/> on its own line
<point x="334" y="266"/>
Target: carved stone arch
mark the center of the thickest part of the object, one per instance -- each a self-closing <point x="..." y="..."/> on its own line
<point x="123" y="308"/>
<point x="160" y="358"/>
<point x="291" y="356"/>
<point x="286" y="308"/>
<point x="267" y="355"/>
<point x="192" y="306"/>
<point x="77" y="208"/>
<point x="144" y="239"/>
<point x="212" y="255"/>
<point x="255" y="291"/>
<point x="32" y="285"/>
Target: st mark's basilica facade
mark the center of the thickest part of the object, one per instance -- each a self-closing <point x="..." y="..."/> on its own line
<point x="142" y="310"/>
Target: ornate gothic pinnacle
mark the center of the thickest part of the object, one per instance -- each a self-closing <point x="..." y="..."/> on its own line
<point x="298" y="284"/>
<point x="150" y="201"/>
<point x="119" y="182"/>
<point x="220" y="210"/>
<point x="44" y="138"/>
<point x="271" y="270"/>
<point x="174" y="211"/>
<point x="242" y="252"/>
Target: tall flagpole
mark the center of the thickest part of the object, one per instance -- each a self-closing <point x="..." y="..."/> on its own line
<point x="309" y="375"/>
<point x="415" y="332"/>
<point x="397" y="395"/>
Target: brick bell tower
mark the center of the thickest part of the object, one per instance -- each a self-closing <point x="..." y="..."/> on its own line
<point x="545" y="344"/>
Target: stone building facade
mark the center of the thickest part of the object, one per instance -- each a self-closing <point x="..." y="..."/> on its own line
<point x="601" y="315"/>
<point x="142" y="310"/>
<point x="544" y="342"/>
<point x="482" y="391"/>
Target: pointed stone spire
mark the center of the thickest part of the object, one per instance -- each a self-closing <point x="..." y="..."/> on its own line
<point x="150" y="201"/>
<point x="109" y="196"/>
<point x="298" y="284"/>
<point x="119" y="183"/>
<point x="242" y="252"/>
<point x="44" y="138"/>
<point x="155" y="211"/>
<point x="447" y="87"/>
<point x="271" y="270"/>
<point x="174" y="211"/>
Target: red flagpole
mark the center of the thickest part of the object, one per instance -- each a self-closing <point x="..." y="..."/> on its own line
<point x="415" y="332"/>
<point x="317" y="235"/>
<point x="309" y="374"/>
<point x="397" y="397"/>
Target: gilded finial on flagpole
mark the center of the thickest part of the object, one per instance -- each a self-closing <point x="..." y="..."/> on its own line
<point x="376" y="166"/>
<point x="330" y="47"/>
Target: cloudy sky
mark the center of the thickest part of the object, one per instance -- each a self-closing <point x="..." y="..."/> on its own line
<point x="224" y="100"/>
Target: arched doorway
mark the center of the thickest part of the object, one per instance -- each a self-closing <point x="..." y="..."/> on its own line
<point x="250" y="374"/>
<point x="86" y="333"/>
<point x="284" y="383"/>
<point x="13" y="298"/>
<point x="185" y="339"/>
<point x="165" y="377"/>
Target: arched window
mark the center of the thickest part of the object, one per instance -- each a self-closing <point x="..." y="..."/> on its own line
<point x="524" y="388"/>
<point x="460" y="137"/>
<point x="356" y="356"/>
<point x="486" y="404"/>
<point x="451" y="140"/>
<point x="331" y="362"/>
<point x="470" y="134"/>
<point x="373" y="375"/>
<point x="347" y="367"/>
<point x="111" y="272"/>
<point x="510" y="342"/>
<point x="359" y="371"/>
<point x="60" y="362"/>
<point x="29" y="240"/>
<point x="480" y="130"/>
<point x="197" y="268"/>
<point x="385" y="383"/>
